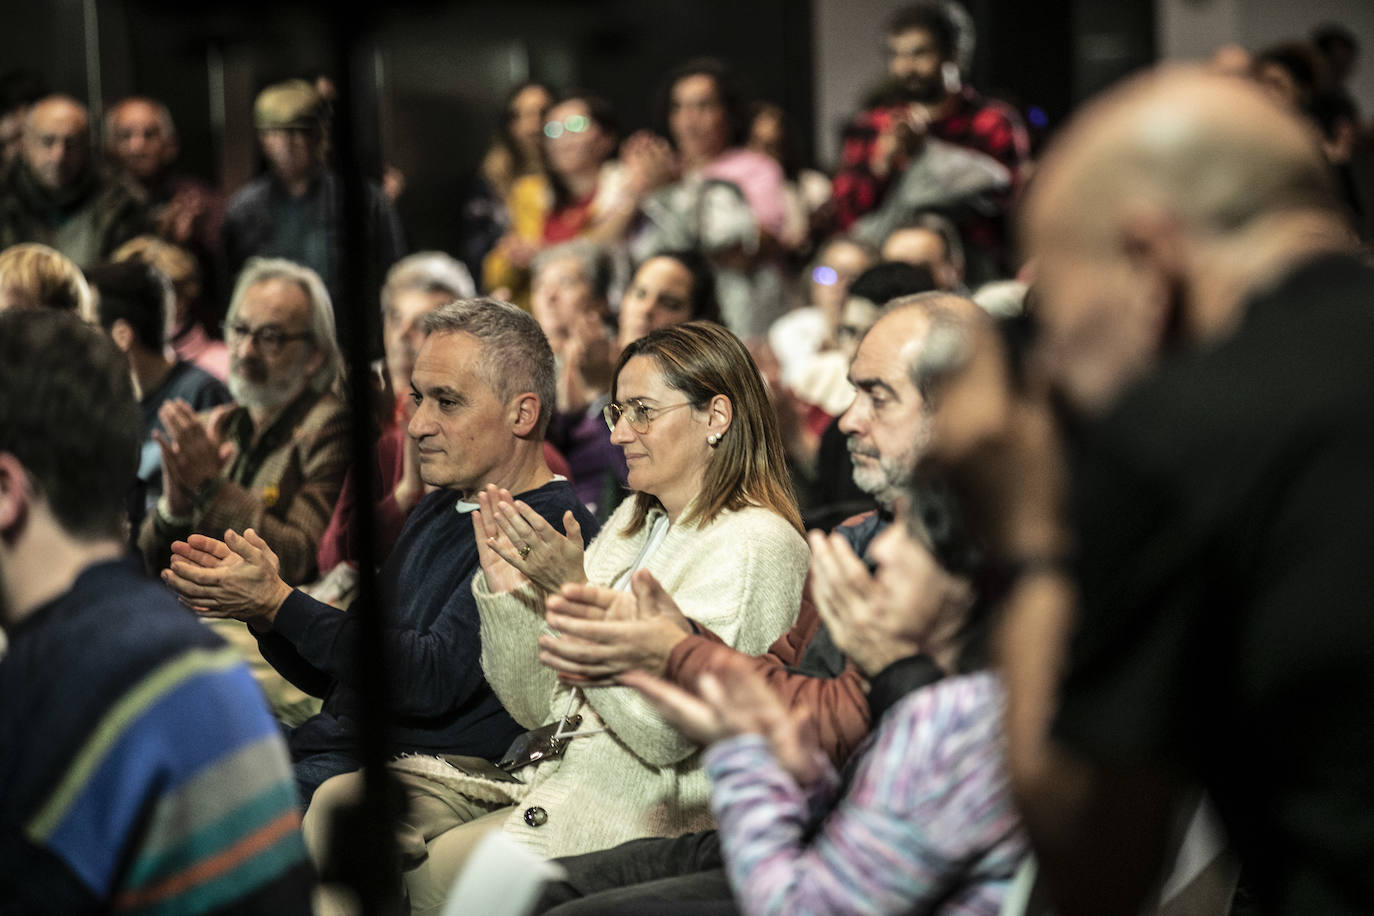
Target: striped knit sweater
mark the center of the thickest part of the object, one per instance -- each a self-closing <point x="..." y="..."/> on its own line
<point x="141" y="771"/>
<point x="925" y="823"/>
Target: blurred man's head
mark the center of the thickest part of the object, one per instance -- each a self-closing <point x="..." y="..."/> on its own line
<point x="924" y="53"/>
<point x="869" y="296"/>
<point x="1339" y="48"/>
<point x="1161" y="206"/>
<point x="1292" y="72"/>
<point x="838" y="263"/>
<point x="290" y="118"/>
<point x="932" y="242"/>
<point x="133" y="305"/>
<point x="69" y="433"/>
<point x="414" y="287"/>
<point x="19" y="89"/>
<point x="570" y="286"/>
<point x="57" y="141"/>
<point x="140" y="138"/>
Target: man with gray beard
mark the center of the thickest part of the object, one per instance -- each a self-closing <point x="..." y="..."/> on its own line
<point x="275" y="460"/>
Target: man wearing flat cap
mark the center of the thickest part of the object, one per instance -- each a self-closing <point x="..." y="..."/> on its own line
<point x="295" y="209"/>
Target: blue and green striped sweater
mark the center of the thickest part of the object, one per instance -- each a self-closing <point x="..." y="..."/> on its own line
<point x="139" y="768"/>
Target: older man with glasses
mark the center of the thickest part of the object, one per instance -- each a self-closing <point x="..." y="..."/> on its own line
<point x="275" y="460"/>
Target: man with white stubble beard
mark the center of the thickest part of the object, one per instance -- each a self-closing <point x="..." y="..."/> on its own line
<point x="275" y="462"/>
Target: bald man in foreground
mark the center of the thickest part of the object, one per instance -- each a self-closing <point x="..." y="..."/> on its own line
<point x="1191" y="593"/>
<point x="54" y="194"/>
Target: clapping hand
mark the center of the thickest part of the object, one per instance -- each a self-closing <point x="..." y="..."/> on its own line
<point x="604" y="633"/>
<point x="529" y="544"/>
<point x="191" y="454"/>
<point x="237" y="577"/>
<point x="734" y="700"/>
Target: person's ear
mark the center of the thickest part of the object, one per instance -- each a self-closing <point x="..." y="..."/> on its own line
<point x="16" y="495"/>
<point x="1157" y="251"/>
<point x="122" y="334"/>
<point x="524" y="414"/>
<point x="313" y="364"/>
<point x="719" y="415"/>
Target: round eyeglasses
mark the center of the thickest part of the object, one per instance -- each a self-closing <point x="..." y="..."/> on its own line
<point x="574" y="125"/>
<point x="638" y="414"/>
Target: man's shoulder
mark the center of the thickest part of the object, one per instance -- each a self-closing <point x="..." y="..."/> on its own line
<point x="194" y="385"/>
<point x="554" y="498"/>
<point x="328" y="405"/>
<point x="251" y="196"/>
<point x="860" y="530"/>
<point x="118" y="603"/>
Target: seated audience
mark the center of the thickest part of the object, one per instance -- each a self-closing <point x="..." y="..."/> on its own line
<point x="483" y="391"/>
<point x="274" y="462"/>
<point x="36" y="276"/>
<point x="132" y="305"/>
<point x="922" y="818"/>
<point x="806" y="190"/>
<point x="826" y="391"/>
<point x="713" y="518"/>
<point x="141" y="769"/>
<point x="55" y="194"/>
<point x="604" y="634"/>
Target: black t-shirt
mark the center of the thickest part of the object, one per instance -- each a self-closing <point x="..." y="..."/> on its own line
<point x="1226" y="514"/>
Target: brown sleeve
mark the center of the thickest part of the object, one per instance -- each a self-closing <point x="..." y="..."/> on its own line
<point x="839" y="705"/>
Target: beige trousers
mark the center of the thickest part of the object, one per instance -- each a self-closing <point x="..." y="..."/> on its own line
<point x="435" y="836"/>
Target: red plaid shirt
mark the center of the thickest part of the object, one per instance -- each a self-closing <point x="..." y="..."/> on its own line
<point x="985" y="125"/>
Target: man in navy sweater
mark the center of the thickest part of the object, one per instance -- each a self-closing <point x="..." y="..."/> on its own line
<point x="483" y="386"/>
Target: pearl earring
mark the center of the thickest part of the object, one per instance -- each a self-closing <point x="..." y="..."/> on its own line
<point x="713" y="440"/>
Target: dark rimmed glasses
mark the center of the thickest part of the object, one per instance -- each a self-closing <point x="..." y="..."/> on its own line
<point x="269" y="338"/>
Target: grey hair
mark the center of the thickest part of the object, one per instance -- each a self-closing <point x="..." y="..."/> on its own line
<point x="428" y="272"/>
<point x="516" y="356"/>
<point x="946" y="348"/>
<point x="324" y="337"/>
<point x="597" y="267"/>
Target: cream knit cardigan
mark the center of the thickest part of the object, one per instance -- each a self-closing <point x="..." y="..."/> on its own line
<point x="741" y="576"/>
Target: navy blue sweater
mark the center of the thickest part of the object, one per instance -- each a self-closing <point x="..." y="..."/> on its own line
<point x="441" y="701"/>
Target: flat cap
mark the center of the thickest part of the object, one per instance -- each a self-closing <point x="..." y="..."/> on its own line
<point x="292" y="104"/>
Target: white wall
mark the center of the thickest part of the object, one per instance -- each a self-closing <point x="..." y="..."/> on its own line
<point x="847" y="38"/>
<point x="1190" y="29"/>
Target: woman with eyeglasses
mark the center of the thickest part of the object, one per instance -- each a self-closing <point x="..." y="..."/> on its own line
<point x="582" y="194"/>
<point x="713" y="522"/>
